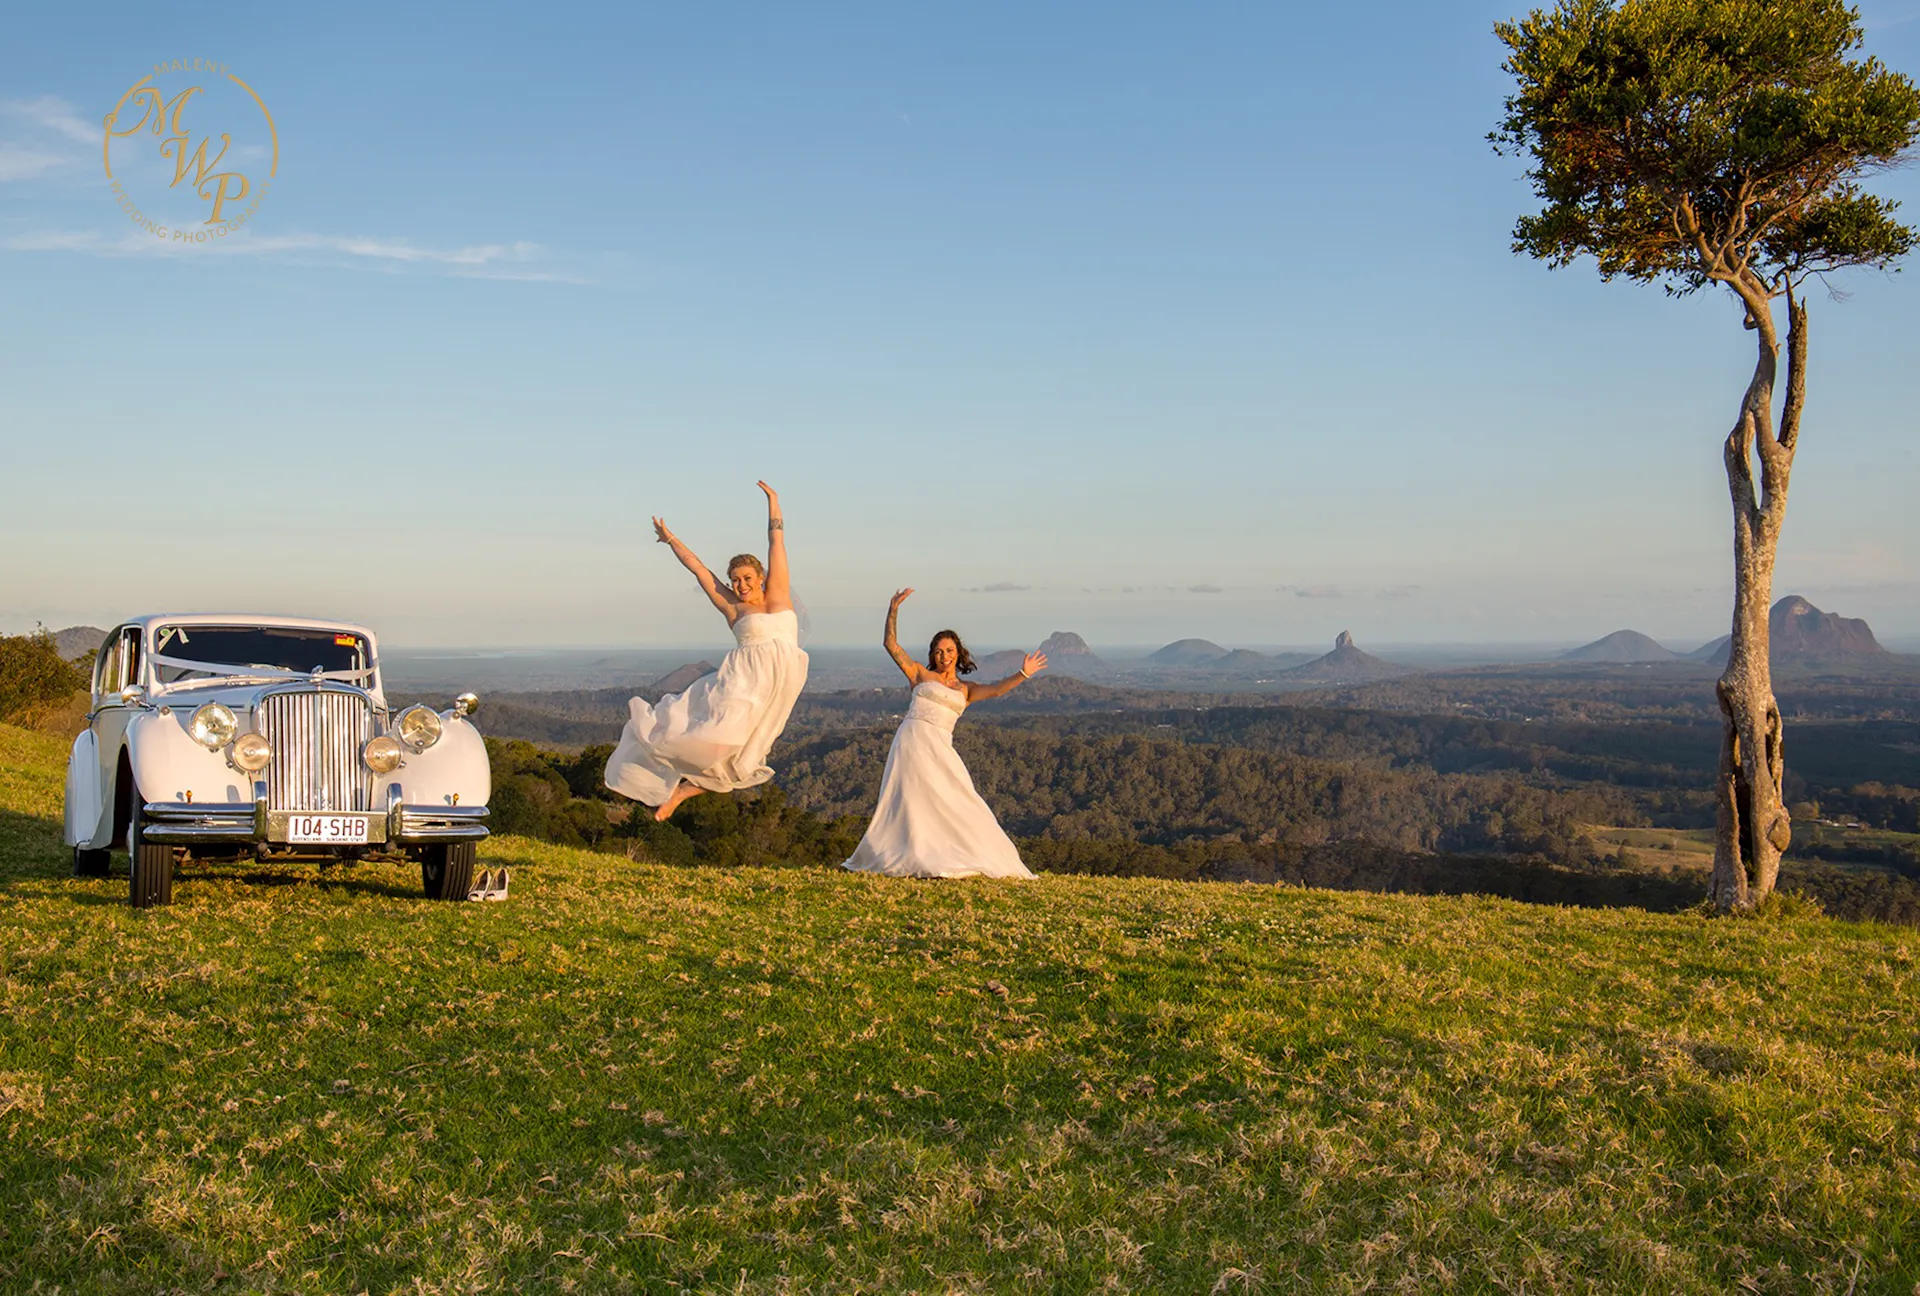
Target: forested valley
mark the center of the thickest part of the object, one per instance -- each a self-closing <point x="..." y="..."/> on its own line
<point x="1266" y="788"/>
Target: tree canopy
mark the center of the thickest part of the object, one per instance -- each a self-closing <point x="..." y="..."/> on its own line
<point x="1702" y="141"/>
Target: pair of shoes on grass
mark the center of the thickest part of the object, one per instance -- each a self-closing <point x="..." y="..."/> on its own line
<point x="490" y="885"/>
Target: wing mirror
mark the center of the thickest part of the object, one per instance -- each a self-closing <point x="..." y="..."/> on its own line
<point x="466" y="704"/>
<point x="132" y="695"/>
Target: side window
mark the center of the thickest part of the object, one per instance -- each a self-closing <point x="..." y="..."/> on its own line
<point x="130" y="656"/>
<point x="106" y="680"/>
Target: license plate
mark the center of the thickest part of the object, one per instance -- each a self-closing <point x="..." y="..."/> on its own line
<point x="327" y="830"/>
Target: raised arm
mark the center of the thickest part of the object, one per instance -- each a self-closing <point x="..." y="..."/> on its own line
<point x="720" y="598"/>
<point x="1033" y="665"/>
<point x="912" y="669"/>
<point x="779" y="589"/>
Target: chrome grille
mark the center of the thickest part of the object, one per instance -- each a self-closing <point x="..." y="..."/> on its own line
<point x="317" y="737"/>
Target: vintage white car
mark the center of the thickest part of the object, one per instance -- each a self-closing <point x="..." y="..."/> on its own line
<point x="223" y="736"/>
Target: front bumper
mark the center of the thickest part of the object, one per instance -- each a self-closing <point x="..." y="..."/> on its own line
<point x="185" y="823"/>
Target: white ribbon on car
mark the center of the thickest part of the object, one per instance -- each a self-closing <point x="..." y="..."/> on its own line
<point x="261" y="672"/>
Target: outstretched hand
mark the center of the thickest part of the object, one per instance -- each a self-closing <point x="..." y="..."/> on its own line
<point x="773" y="497"/>
<point x="1034" y="663"/>
<point x="661" y="533"/>
<point x="900" y="596"/>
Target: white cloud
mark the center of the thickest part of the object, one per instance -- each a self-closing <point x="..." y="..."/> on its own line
<point x="41" y="137"/>
<point x="519" y="261"/>
<point x="50" y="113"/>
<point x="998" y="587"/>
<point x="21" y="162"/>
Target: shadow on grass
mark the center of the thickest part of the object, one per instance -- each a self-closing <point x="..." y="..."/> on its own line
<point x="33" y="855"/>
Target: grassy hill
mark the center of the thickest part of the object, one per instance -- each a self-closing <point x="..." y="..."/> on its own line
<point x="632" y="1077"/>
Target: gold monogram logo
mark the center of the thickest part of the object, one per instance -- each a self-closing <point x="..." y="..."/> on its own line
<point x="162" y="139"/>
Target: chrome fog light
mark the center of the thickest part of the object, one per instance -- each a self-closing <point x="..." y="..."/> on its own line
<point x="213" y="725"/>
<point x="419" y="727"/>
<point x="382" y="755"/>
<point x="252" y="752"/>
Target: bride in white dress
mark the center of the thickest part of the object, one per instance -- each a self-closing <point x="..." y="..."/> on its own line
<point x="930" y="821"/>
<point x="715" y="736"/>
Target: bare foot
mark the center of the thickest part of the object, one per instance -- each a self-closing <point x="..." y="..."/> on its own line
<point x="682" y="794"/>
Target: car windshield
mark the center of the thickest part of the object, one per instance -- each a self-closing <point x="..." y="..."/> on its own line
<point x="236" y="650"/>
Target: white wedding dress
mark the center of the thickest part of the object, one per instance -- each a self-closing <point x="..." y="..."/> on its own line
<point x="930" y="821"/>
<point x="717" y="733"/>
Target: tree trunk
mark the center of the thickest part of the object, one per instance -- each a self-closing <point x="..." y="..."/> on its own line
<point x="1752" y="828"/>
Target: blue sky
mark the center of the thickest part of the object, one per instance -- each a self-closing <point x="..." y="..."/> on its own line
<point x="1131" y="320"/>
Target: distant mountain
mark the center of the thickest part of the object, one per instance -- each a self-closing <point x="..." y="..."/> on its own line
<point x="76" y="642"/>
<point x="1621" y="646"/>
<point x="1065" y="643"/>
<point x="998" y="665"/>
<point x="677" y="679"/>
<point x="1188" y="652"/>
<point x="1346" y="664"/>
<point x="1796" y="628"/>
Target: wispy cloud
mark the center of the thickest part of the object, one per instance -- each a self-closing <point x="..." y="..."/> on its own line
<point x="998" y="587"/>
<point x="52" y="113"/>
<point x="1205" y="589"/>
<point x="24" y="162"/>
<point x="1399" y="591"/>
<point x="1320" y="592"/>
<point x="521" y="261"/>
<point x="40" y="136"/>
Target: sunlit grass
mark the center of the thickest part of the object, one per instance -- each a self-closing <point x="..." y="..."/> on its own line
<point x="629" y="1077"/>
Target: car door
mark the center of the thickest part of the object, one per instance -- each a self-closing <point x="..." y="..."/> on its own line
<point x="118" y="666"/>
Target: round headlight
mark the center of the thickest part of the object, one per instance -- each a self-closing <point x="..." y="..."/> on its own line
<point x="382" y="755"/>
<point x="213" y="726"/>
<point x="419" y="727"/>
<point x="252" y="752"/>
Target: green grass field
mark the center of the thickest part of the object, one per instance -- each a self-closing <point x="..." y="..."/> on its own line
<point x="630" y="1077"/>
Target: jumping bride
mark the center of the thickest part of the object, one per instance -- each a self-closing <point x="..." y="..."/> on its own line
<point x="715" y="736"/>
<point x="930" y="821"/>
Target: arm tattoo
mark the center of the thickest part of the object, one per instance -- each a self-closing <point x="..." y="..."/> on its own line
<point x="776" y="524"/>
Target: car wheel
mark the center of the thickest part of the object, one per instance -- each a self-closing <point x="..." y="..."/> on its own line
<point x="90" y="863"/>
<point x="152" y="868"/>
<point x="446" y="870"/>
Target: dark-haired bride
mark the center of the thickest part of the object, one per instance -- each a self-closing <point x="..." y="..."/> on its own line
<point x="714" y="737"/>
<point x="930" y="821"/>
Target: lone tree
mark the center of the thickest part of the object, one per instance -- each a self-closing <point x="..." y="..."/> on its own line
<point x="1703" y="142"/>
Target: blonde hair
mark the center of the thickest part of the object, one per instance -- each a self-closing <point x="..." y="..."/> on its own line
<point x="746" y="560"/>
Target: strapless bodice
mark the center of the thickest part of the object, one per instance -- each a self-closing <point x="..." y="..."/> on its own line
<point x="936" y="704"/>
<point x="767" y="627"/>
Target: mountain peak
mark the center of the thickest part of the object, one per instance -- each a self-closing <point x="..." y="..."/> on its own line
<point x="1797" y="626"/>
<point x="1620" y="646"/>
<point x="1346" y="664"/>
<point x="1065" y="643"/>
<point x="1188" y="652"/>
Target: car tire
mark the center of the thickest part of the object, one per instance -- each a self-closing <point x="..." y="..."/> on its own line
<point x="91" y="863"/>
<point x="151" y="871"/>
<point x="446" y="870"/>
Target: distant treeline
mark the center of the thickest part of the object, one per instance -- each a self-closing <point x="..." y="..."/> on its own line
<point x="1163" y="791"/>
<point x="36" y="682"/>
<point x="1866" y="769"/>
<point x="559" y="797"/>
